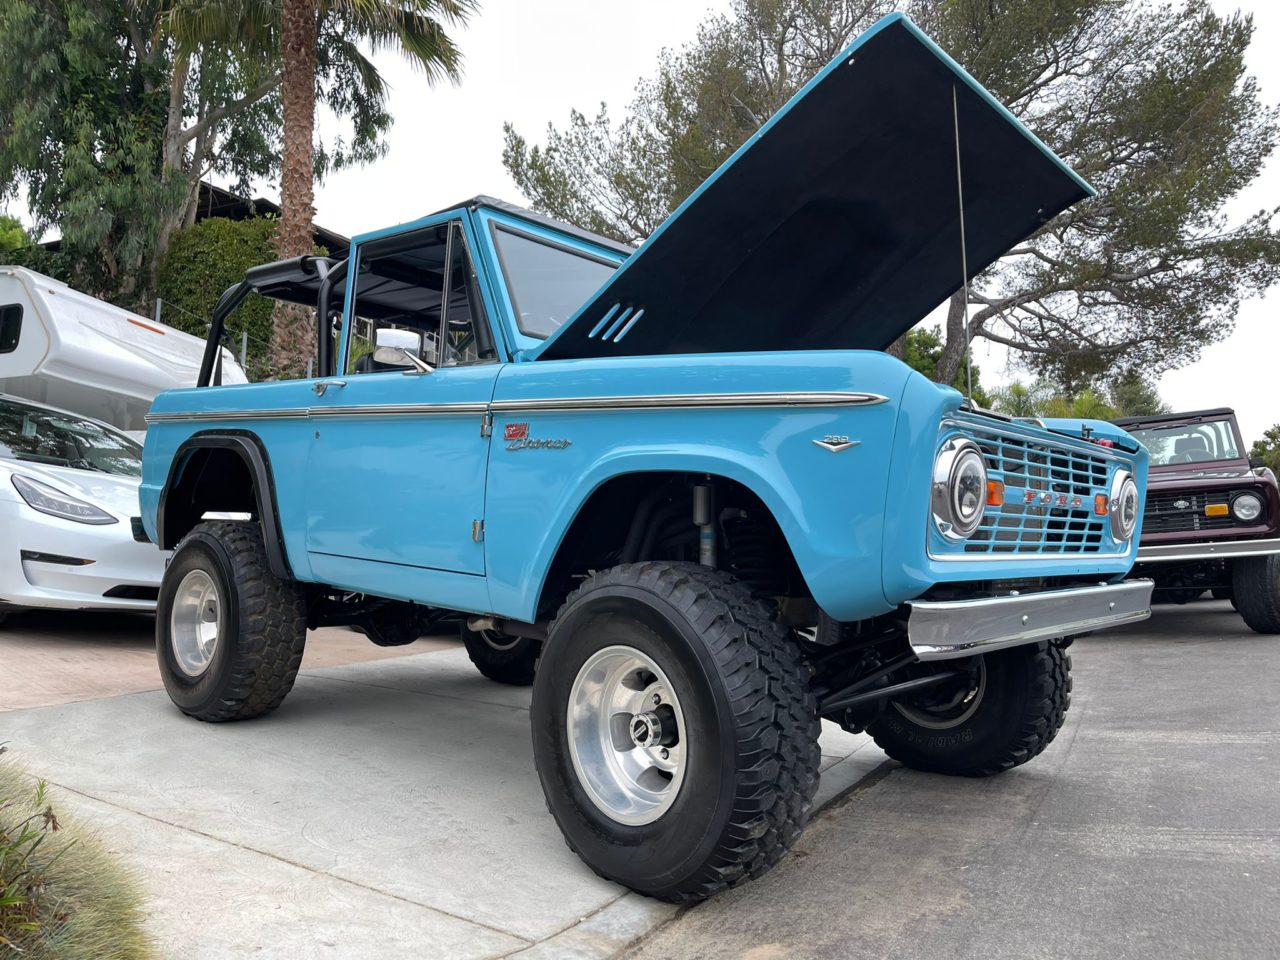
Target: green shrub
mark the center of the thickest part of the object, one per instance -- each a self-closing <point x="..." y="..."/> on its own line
<point x="62" y="893"/>
<point x="203" y="261"/>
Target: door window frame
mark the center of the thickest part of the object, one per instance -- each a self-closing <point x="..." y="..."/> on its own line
<point x="487" y="308"/>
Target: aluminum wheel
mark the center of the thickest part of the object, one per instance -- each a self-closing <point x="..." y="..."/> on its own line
<point x="194" y="622"/>
<point x="626" y="735"/>
<point x="952" y="711"/>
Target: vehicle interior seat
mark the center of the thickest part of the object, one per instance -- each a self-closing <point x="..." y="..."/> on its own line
<point x="1192" y="449"/>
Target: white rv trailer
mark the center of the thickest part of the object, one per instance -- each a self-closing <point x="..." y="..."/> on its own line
<point x="64" y="348"/>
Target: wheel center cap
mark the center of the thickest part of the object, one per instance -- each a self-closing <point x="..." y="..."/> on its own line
<point x="646" y="729"/>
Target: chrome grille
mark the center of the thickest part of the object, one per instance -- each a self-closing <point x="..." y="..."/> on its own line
<point x="1048" y="498"/>
<point x="1181" y="512"/>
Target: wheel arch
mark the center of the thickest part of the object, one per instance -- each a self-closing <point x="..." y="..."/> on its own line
<point x="222" y="471"/>
<point x="610" y="508"/>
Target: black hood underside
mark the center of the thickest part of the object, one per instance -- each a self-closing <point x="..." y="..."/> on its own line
<point x="837" y="225"/>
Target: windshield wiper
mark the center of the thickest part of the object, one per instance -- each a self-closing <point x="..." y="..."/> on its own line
<point x="1175" y="426"/>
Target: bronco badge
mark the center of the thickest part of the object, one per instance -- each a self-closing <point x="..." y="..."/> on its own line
<point x="516" y="436"/>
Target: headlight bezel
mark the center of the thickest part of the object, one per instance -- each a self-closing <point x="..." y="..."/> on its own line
<point x="1247" y="495"/>
<point x="954" y="456"/>
<point x="1124" y="490"/>
<point x="45" y="498"/>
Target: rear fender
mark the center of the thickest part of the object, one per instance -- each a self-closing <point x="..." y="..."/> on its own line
<point x="178" y="511"/>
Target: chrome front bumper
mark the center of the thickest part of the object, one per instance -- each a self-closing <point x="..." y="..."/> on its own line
<point x="1177" y="552"/>
<point x="943" y="629"/>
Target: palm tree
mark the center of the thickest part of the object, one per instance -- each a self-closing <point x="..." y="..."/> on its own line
<point x="416" y="28"/>
<point x="1086" y="405"/>
<point x="1020" y="400"/>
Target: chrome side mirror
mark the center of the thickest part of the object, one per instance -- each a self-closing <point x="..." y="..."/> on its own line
<point x="401" y="357"/>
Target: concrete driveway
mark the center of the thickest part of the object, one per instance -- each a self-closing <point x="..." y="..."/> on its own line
<point x="389" y="809"/>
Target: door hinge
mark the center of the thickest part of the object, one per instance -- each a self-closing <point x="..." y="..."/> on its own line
<point x="486" y="425"/>
<point x="477" y="530"/>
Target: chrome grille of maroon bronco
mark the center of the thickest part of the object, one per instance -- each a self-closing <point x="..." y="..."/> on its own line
<point x="1048" y="498"/>
<point x="1182" y="512"/>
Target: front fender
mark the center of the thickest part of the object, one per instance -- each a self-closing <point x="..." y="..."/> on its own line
<point x="829" y="506"/>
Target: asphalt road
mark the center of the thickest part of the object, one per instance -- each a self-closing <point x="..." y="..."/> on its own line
<point x="1149" y="829"/>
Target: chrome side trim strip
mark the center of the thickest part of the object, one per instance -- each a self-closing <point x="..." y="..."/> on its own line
<point x="401" y="410"/>
<point x="1172" y="552"/>
<point x="281" y="414"/>
<point x="945" y="629"/>
<point x="682" y="401"/>
<point x="670" y="401"/>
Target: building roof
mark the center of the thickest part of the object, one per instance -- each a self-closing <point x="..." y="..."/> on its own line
<point x="214" y="201"/>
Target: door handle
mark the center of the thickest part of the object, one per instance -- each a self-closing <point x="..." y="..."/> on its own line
<point x="323" y="385"/>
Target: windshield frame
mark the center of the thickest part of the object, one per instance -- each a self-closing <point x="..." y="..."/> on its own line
<point x="1190" y="422"/>
<point x="55" y="413"/>
<point x="497" y="226"/>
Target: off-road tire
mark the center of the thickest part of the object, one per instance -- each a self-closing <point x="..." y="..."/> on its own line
<point x="1255" y="587"/>
<point x="750" y="720"/>
<point x="511" y="660"/>
<point x="1028" y="691"/>
<point x="261" y="633"/>
<point x="1221" y="593"/>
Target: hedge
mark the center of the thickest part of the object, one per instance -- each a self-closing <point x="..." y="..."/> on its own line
<point x="203" y="260"/>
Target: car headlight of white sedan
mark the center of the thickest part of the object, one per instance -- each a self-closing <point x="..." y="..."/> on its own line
<point x="46" y="499"/>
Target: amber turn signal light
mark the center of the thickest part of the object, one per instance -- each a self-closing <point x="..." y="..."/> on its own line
<point x="1216" y="510"/>
<point x="1100" y="504"/>
<point x="995" y="493"/>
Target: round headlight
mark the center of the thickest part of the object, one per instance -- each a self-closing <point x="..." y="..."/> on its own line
<point x="959" y="489"/>
<point x="1246" y="508"/>
<point x="1124" y="506"/>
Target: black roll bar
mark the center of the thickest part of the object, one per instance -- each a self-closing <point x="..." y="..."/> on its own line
<point x="326" y="362"/>
<point x="291" y="281"/>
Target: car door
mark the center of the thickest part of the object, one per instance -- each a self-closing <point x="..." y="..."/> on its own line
<point x="400" y="447"/>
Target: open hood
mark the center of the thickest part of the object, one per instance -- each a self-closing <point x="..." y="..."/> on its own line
<point x="836" y="225"/>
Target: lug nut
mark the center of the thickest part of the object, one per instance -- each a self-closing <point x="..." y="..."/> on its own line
<point x="666" y="754"/>
<point x="657" y="699"/>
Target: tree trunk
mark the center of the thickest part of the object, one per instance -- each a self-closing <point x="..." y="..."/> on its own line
<point x="173" y="170"/>
<point x="293" y="337"/>
<point x="953" y="352"/>
<point x="898" y="348"/>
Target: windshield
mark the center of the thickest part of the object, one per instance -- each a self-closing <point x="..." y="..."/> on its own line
<point x="39" y="435"/>
<point x="1189" y="442"/>
<point x="547" y="283"/>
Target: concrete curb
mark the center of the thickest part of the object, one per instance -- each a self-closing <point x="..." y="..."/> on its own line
<point x="632" y="917"/>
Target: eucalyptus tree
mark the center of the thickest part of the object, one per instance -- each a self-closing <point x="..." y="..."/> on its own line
<point x="109" y="129"/>
<point x="1151" y="102"/>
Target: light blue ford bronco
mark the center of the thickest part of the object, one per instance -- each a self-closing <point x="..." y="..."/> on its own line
<point x="679" y="489"/>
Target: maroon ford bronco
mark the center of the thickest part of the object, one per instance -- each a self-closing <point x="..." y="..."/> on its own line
<point x="1212" y="520"/>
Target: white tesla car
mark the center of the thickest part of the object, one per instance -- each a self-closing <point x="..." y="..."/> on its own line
<point x="68" y="496"/>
